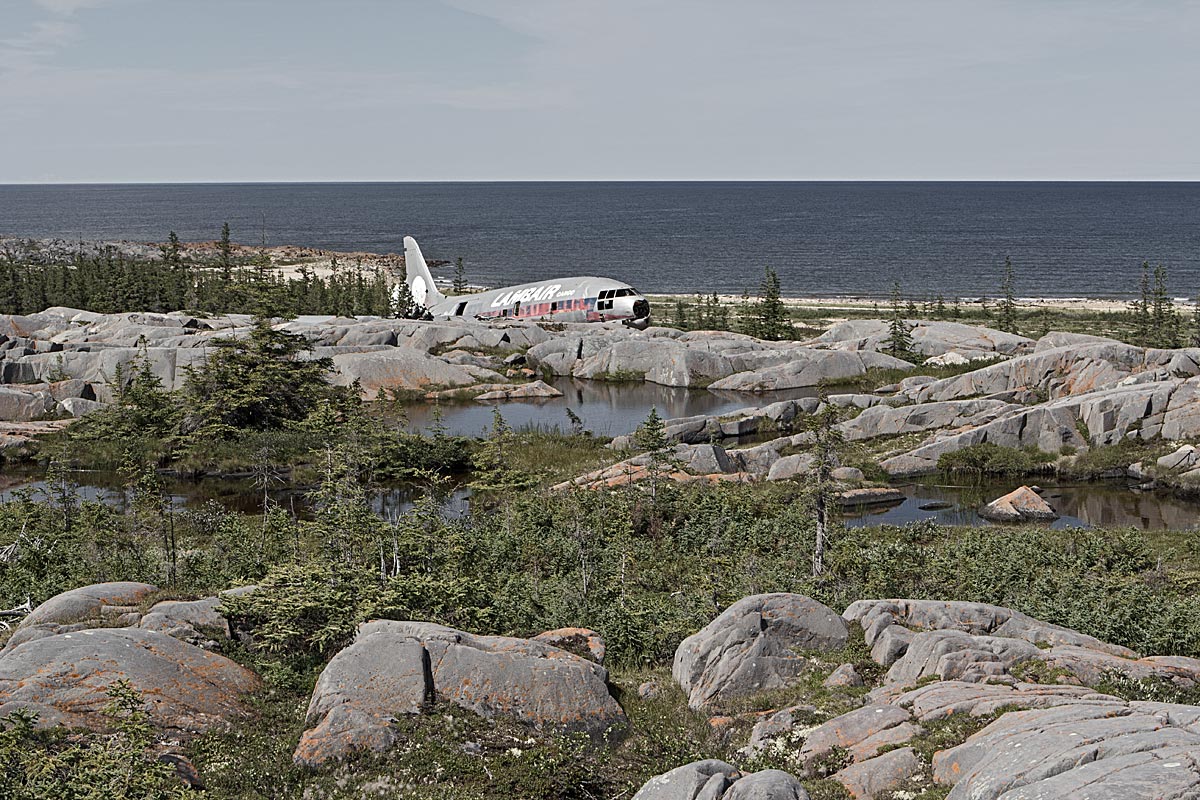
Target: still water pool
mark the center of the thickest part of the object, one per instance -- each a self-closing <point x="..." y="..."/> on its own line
<point x="1086" y="505"/>
<point x="607" y="409"/>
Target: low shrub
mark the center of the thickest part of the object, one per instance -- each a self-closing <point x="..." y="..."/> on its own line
<point x="992" y="459"/>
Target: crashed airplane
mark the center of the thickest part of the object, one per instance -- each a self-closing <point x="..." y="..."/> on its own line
<point x="577" y="299"/>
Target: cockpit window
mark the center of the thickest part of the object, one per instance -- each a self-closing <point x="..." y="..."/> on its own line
<point x="625" y="293"/>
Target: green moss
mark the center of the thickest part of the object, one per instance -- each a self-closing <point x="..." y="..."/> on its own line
<point x="950" y="731"/>
<point x="1101" y="461"/>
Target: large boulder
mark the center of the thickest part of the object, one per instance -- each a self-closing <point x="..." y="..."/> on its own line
<point x="93" y="603"/>
<point x="1020" y="505"/>
<point x="709" y="778"/>
<point x="196" y="621"/>
<point x="583" y="642"/>
<point x="64" y="678"/>
<point x="1057" y="372"/>
<point x="17" y="405"/>
<point x="756" y="644"/>
<point x="1185" y="458"/>
<point x="794" y="466"/>
<point x="404" y="370"/>
<point x="396" y="668"/>
<point x="667" y="363"/>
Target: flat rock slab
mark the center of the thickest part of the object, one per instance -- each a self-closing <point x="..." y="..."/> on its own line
<point x="395" y="668"/>
<point x="64" y="679"/>
<point x="717" y="780"/>
<point x="755" y="645"/>
<point x="930" y="338"/>
<point x="1105" y="750"/>
<point x="850" y="729"/>
<point x="876" y="777"/>
<point x="942" y="699"/>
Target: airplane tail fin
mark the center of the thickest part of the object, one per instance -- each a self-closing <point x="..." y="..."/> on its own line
<point x="420" y="282"/>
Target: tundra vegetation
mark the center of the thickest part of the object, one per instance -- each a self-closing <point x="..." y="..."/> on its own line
<point x="643" y="565"/>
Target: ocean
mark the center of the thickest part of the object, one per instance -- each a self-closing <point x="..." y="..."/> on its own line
<point x="823" y="238"/>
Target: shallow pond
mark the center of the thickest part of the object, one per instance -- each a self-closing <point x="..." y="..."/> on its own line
<point x="607" y="409"/>
<point x="1113" y="504"/>
<point x="241" y="495"/>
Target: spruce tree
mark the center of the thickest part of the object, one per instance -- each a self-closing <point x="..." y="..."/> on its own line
<point x="827" y="442"/>
<point x="1163" y="320"/>
<point x="1007" y="311"/>
<point x="681" y="315"/>
<point x="1194" y="334"/>
<point x="225" y="250"/>
<point x="771" y="320"/>
<point x="1139" y="309"/>
<point x="460" y="277"/>
<point x="651" y="437"/>
<point x="493" y="472"/>
<point x="405" y="305"/>
<point x="747" y="323"/>
<point x="899" y="342"/>
<point x="171" y="252"/>
<point x="720" y="314"/>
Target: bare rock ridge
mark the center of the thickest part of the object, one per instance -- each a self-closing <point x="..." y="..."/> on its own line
<point x="1063" y="393"/>
<point x="1069" y="741"/>
<point x="403" y="354"/>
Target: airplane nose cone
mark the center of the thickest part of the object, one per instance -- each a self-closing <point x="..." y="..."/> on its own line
<point x="641" y="308"/>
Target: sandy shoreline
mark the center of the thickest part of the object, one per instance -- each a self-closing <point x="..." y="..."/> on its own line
<point x="871" y="303"/>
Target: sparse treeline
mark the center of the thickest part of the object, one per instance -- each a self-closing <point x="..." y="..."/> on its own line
<point x="111" y="282"/>
<point x="764" y="317"/>
<point x="1152" y="319"/>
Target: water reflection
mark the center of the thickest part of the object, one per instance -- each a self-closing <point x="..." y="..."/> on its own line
<point x="1080" y="505"/>
<point x="242" y="496"/>
<point x="607" y="409"/>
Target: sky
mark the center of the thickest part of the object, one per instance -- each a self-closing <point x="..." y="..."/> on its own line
<point x="443" y="90"/>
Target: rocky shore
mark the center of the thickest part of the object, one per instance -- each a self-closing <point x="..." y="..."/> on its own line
<point x="1062" y="394"/>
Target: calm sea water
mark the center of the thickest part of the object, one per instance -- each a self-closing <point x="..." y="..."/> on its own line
<point x="1066" y="239"/>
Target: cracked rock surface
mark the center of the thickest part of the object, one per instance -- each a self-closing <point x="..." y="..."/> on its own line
<point x="396" y="668"/>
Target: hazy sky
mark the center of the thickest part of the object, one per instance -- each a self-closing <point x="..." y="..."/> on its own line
<point x="248" y="90"/>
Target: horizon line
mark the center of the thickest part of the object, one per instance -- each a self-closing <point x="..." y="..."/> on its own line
<point x="595" y="180"/>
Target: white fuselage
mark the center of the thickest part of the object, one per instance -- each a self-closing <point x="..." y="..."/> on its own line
<point x="579" y="299"/>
